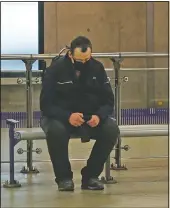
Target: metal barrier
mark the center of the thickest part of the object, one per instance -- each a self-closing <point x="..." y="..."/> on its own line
<point x="116" y="59"/>
<point x="95" y="55"/>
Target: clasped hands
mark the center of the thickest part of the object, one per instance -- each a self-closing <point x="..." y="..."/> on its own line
<point x="76" y="119"/>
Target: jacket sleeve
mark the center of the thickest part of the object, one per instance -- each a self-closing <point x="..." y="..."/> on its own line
<point x="48" y="92"/>
<point x="107" y="98"/>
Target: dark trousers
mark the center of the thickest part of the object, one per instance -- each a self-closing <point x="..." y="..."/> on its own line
<point x="58" y="135"/>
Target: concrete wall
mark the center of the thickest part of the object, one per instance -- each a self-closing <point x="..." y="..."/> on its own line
<point x="13" y="98"/>
<point x="112" y="27"/>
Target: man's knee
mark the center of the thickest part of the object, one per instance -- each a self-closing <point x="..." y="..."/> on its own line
<point x="111" y="129"/>
<point x="54" y="128"/>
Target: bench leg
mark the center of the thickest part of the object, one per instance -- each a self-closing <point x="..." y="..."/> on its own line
<point x="28" y="66"/>
<point x="12" y="183"/>
<point x="29" y="169"/>
<point x="118" y="165"/>
<point x="108" y="179"/>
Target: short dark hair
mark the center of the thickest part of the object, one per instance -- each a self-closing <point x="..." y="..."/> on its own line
<point x="80" y="42"/>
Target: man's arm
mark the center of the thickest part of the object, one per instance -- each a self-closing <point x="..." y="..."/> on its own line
<point x="48" y="93"/>
<point x="107" y="98"/>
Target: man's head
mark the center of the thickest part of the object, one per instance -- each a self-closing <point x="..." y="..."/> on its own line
<point x="80" y="50"/>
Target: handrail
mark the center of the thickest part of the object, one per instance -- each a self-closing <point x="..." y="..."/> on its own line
<point x="107" y="69"/>
<point x="95" y="55"/>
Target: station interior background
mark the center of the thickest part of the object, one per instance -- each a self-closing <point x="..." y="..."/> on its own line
<point x="112" y="27"/>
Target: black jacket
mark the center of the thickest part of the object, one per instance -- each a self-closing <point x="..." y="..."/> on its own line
<point x="64" y="93"/>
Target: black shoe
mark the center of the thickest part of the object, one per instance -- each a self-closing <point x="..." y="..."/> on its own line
<point x="66" y="185"/>
<point x="93" y="184"/>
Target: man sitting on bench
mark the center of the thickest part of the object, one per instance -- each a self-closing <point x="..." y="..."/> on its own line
<point x="77" y="99"/>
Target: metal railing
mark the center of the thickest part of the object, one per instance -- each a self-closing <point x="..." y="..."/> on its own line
<point x="95" y="55"/>
<point x="116" y="59"/>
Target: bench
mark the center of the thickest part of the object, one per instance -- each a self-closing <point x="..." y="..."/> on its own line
<point x="38" y="134"/>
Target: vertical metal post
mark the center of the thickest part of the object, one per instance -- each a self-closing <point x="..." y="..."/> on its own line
<point x="12" y="183"/>
<point x="28" y="65"/>
<point x="11" y="154"/>
<point x="107" y="168"/>
<point x="116" y="64"/>
<point x="108" y="179"/>
<point x="150" y="48"/>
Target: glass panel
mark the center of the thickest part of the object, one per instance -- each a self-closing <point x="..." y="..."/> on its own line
<point x="19" y="32"/>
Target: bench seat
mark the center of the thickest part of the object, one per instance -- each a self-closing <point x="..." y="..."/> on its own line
<point x="125" y="131"/>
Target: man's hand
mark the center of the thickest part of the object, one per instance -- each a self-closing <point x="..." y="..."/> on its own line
<point x="76" y="119"/>
<point x="94" y="121"/>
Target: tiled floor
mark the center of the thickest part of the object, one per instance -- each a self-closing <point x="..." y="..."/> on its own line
<point x="144" y="184"/>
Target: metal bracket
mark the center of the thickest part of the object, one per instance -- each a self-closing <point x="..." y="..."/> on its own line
<point x="125" y="147"/>
<point x="116" y="167"/>
<point x="14" y="184"/>
<point x="36" y="80"/>
<point x="117" y="61"/>
<point x="117" y="64"/>
<point x="27" y="170"/>
<point x="125" y="79"/>
<point x="108" y="180"/>
<point x="28" y="65"/>
<point x="37" y="150"/>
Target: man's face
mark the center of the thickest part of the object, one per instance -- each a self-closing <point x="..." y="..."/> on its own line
<point x="80" y="56"/>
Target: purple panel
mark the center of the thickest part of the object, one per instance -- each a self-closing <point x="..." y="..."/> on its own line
<point x="128" y="117"/>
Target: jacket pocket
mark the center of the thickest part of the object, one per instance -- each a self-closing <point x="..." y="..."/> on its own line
<point x="66" y="82"/>
<point x="65" y="87"/>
